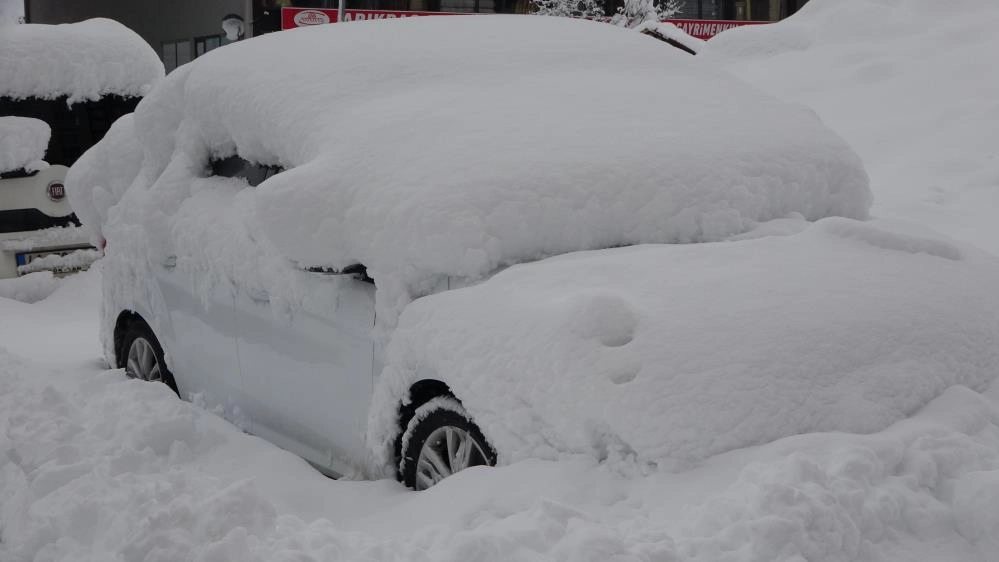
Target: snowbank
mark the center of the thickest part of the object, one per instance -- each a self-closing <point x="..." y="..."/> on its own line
<point x="83" y="61"/>
<point x="30" y="288"/>
<point x="420" y="160"/>
<point x="23" y="142"/>
<point x="910" y="85"/>
<point x="670" y="354"/>
<point x="97" y="467"/>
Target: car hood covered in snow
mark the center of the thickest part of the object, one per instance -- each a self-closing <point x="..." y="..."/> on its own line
<point x="82" y="61"/>
<point x="668" y="354"/>
<point x="427" y="147"/>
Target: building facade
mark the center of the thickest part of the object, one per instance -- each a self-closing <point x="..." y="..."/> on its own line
<point x="179" y="30"/>
<point x="182" y="30"/>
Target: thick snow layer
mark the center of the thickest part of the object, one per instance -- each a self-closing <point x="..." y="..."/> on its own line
<point x="23" y="142"/>
<point x="96" y="467"/>
<point x="29" y="288"/>
<point x="421" y="160"/>
<point x="73" y="261"/>
<point x="45" y="238"/>
<point x="911" y="85"/>
<point x="107" y="169"/>
<point x="670" y="354"/>
<point x="83" y="61"/>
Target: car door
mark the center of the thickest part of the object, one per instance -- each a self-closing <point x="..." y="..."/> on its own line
<point x="200" y="299"/>
<point x="307" y="369"/>
<point x="201" y="349"/>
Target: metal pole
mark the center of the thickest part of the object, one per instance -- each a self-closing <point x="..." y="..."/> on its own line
<point x="341" y="11"/>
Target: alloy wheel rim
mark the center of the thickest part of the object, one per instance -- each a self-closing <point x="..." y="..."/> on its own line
<point x="142" y="362"/>
<point x="446" y="451"/>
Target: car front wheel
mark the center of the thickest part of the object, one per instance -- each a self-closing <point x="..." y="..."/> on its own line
<point x="441" y="440"/>
<point x="142" y="356"/>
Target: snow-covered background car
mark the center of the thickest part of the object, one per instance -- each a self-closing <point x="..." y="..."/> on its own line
<point x="61" y="88"/>
<point x="261" y="249"/>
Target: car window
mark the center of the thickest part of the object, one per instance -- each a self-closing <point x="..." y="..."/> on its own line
<point x="75" y="127"/>
<point x="236" y="167"/>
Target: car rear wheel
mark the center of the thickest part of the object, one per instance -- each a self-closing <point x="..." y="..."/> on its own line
<point x="441" y="440"/>
<point x="142" y="356"/>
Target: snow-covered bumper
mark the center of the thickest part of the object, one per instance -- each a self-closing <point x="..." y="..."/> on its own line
<point x="38" y="231"/>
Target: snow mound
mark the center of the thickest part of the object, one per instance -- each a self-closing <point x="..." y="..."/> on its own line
<point x="910" y="85"/>
<point x="23" y="142"/>
<point x="97" y="467"/>
<point x="420" y="160"/>
<point x="83" y="61"/>
<point x="670" y="354"/>
<point x="29" y="288"/>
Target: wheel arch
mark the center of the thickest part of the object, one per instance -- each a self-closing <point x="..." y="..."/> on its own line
<point x="124" y="320"/>
<point x="420" y="392"/>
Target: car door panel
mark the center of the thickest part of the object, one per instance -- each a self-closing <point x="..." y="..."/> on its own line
<point x="307" y="368"/>
<point x="201" y="349"/>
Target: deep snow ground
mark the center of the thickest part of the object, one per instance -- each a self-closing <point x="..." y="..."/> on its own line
<point x="94" y="467"/>
<point x="911" y="85"/>
<point x="97" y="467"/>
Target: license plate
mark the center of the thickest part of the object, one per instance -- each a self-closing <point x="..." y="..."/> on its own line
<point x="25" y="258"/>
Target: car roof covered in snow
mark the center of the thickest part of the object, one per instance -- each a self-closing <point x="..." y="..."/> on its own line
<point x="82" y="61"/>
<point x="455" y="146"/>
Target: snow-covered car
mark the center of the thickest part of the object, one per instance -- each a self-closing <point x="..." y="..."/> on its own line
<point x="270" y="211"/>
<point x="61" y="87"/>
<point x="32" y="194"/>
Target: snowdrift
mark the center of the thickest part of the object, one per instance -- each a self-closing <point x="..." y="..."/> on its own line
<point x="83" y="61"/>
<point x="23" y="142"/>
<point x="422" y="160"/>
<point x="99" y="467"/>
<point x="911" y="85"/>
<point x="670" y="354"/>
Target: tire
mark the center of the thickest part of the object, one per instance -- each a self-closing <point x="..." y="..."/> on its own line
<point x="439" y="426"/>
<point x="139" y="338"/>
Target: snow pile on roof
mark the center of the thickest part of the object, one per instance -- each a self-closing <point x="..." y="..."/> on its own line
<point x="670" y="354"/>
<point x="912" y="86"/>
<point x="23" y="142"/>
<point x="84" y="61"/>
<point x="419" y="159"/>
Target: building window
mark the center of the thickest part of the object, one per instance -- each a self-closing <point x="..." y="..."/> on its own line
<point x="208" y="43"/>
<point x="470" y="6"/>
<point x="176" y="53"/>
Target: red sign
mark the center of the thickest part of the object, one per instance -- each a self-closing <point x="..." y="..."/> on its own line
<point x="304" y="17"/>
<point x="706" y="29"/>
